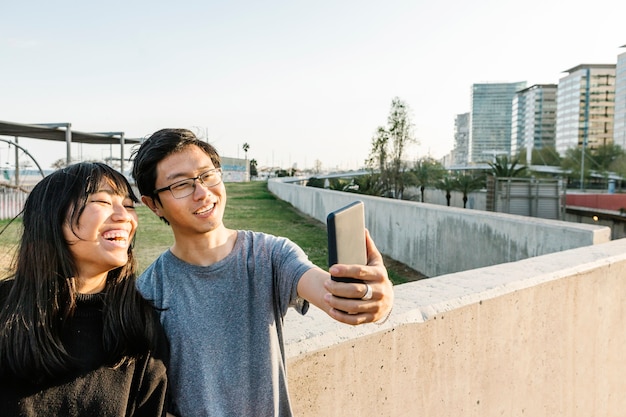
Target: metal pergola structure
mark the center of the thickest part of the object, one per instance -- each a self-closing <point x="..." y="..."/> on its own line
<point x="62" y="132"/>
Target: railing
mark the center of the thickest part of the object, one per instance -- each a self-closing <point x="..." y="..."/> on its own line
<point x="11" y="201"/>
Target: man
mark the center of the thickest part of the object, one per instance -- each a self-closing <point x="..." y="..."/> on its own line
<point x="222" y="294"/>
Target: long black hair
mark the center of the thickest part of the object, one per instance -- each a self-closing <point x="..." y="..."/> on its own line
<point x="43" y="293"/>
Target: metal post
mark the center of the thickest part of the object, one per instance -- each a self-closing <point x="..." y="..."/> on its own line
<point x="17" y="164"/>
<point x="68" y="143"/>
<point x="122" y="152"/>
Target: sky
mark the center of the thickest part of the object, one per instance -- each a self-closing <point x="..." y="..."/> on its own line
<point x="299" y="81"/>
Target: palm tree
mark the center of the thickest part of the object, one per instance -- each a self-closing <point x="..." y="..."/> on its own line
<point x="446" y="184"/>
<point x="467" y="183"/>
<point x="253" y="170"/>
<point x="502" y="169"/>
<point x="427" y="171"/>
<point x="245" y="148"/>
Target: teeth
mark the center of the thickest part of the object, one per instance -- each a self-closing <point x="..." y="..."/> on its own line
<point x="205" y="209"/>
<point x="115" y="235"/>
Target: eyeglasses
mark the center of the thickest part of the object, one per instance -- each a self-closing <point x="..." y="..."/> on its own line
<point x="186" y="187"/>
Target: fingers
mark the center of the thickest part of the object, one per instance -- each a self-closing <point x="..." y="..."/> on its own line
<point x="346" y="299"/>
<point x="351" y="290"/>
<point x="347" y="303"/>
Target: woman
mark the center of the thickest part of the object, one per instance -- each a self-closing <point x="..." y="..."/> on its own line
<point x="76" y="338"/>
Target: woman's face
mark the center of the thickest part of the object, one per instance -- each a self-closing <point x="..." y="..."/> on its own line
<point x="100" y="239"/>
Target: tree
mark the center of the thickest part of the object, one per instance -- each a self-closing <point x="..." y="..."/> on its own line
<point x="59" y="163"/>
<point x="389" y="147"/>
<point x="619" y="165"/>
<point x="466" y="183"/>
<point x="572" y="165"/>
<point x="369" y="184"/>
<point x="400" y="129"/>
<point x="502" y="169"/>
<point x="245" y="148"/>
<point x="447" y="184"/>
<point x="378" y="156"/>
<point x="427" y="171"/>
<point x="253" y="168"/>
<point x="603" y="156"/>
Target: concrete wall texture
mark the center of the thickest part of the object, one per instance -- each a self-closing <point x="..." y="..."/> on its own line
<point x="541" y="336"/>
<point x="437" y="240"/>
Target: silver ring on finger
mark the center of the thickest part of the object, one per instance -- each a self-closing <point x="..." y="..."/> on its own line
<point x="368" y="293"/>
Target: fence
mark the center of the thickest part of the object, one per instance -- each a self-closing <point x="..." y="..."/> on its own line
<point x="544" y="198"/>
<point x="11" y="201"/>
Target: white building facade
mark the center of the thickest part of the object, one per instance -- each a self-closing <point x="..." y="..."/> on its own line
<point x="619" y="124"/>
<point x="533" y="123"/>
<point x="585" y="107"/>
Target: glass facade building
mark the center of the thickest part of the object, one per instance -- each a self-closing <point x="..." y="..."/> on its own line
<point x="491" y="120"/>
<point x="533" y="119"/>
<point x="585" y="107"/>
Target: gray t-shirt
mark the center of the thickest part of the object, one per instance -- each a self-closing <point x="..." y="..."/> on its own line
<point x="224" y="325"/>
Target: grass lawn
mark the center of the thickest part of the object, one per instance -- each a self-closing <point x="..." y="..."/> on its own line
<point x="250" y="206"/>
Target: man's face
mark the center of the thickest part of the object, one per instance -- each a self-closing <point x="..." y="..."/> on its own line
<point x="201" y="211"/>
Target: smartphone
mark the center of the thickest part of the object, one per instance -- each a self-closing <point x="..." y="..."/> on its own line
<point x="346" y="237"/>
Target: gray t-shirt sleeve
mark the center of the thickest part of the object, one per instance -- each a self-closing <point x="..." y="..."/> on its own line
<point x="224" y="324"/>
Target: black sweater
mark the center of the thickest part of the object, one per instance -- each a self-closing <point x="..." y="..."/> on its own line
<point x="137" y="389"/>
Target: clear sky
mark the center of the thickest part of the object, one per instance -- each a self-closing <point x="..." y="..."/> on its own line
<point x="298" y="81"/>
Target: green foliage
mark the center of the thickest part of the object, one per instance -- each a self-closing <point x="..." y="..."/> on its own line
<point x="501" y="168"/>
<point x="467" y="183"/>
<point x="427" y="172"/>
<point x="338" y="184"/>
<point x="315" y="182"/>
<point x="369" y="184"/>
<point x="602" y="160"/>
<point x="604" y="156"/>
<point x="389" y="147"/>
<point x="253" y="168"/>
<point x="619" y="165"/>
<point x="446" y="184"/>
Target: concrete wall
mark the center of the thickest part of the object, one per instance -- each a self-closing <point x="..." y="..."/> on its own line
<point x="476" y="200"/>
<point x="437" y="240"/>
<point x="538" y="337"/>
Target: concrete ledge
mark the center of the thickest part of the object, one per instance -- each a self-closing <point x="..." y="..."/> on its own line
<point x="540" y="336"/>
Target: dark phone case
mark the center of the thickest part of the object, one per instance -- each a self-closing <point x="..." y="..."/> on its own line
<point x="346" y="237"/>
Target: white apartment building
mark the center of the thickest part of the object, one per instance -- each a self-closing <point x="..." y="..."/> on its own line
<point x="585" y="106"/>
<point x="619" y="124"/>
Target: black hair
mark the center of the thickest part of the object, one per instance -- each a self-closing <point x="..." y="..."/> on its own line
<point x="43" y="293"/>
<point x="157" y="147"/>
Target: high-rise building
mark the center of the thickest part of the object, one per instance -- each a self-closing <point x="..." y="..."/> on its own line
<point x="533" y="119"/>
<point x="619" y="121"/>
<point x="585" y="105"/>
<point x="490" y="120"/>
<point x="461" y="139"/>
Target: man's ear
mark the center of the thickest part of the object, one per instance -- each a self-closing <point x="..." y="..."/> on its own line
<point x="151" y="203"/>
